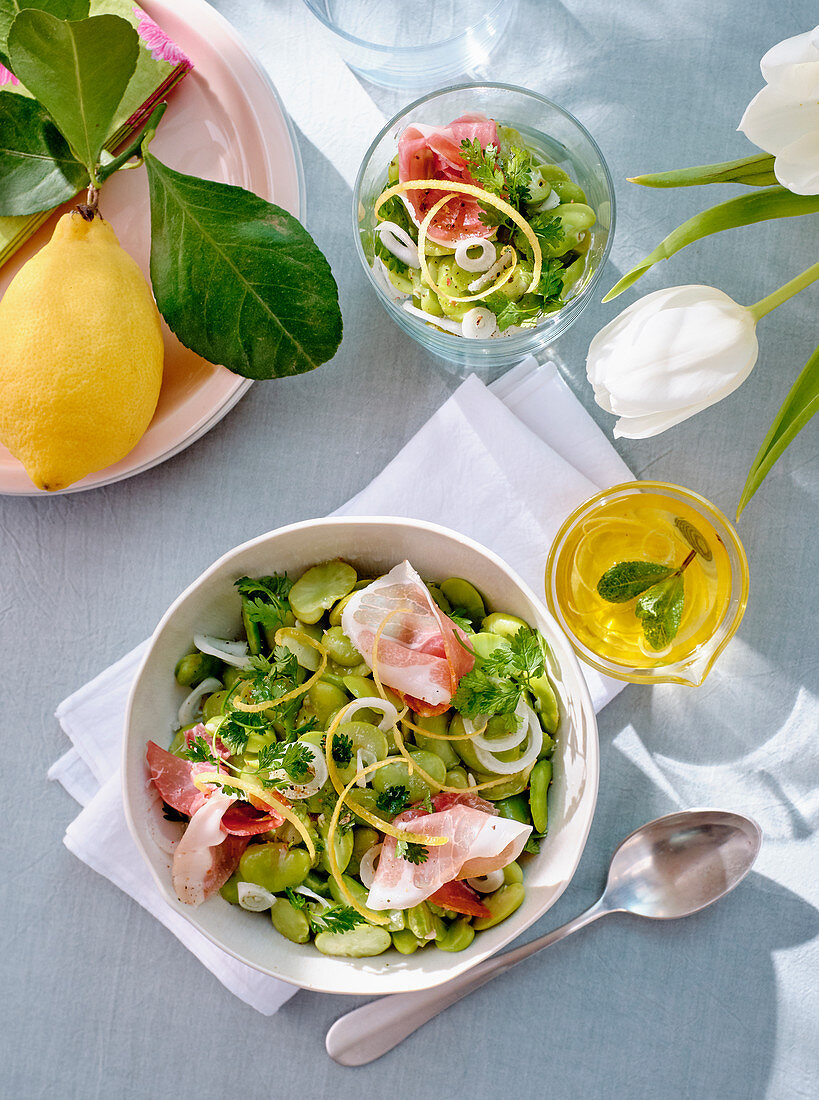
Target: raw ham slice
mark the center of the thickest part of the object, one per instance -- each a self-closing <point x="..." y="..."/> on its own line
<point x="459" y="898"/>
<point x="242" y="819"/>
<point x="434" y="152"/>
<point x="173" y="778"/>
<point x="478" y="842"/>
<point x="206" y="856"/>
<point x="216" y="744"/>
<point x="419" y="654"/>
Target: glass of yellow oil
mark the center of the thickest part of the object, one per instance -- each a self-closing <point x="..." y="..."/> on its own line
<point x="648" y="521"/>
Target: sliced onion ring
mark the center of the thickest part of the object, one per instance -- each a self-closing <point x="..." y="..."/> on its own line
<point x="511" y="741"/>
<point x="475" y="263"/>
<point x="308" y="893"/>
<point x="373" y="702"/>
<point x="509" y="767"/>
<point x="255" y="898"/>
<point x="488" y="883"/>
<point x="399" y="242"/>
<point x="232" y="653"/>
<point x="445" y="323"/>
<point x="189" y="707"/>
<point x="479" y="323"/>
<point x="367" y="865"/>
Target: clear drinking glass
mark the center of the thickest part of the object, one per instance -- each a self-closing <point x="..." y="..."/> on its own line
<point x="657" y="522"/>
<point x="564" y="141"/>
<point x="421" y="44"/>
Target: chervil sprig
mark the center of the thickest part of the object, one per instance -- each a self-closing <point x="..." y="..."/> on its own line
<point x="336" y="918"/>
<point x="411" y="852"/>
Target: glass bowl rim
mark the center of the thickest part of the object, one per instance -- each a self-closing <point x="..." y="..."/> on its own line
<point x="551" y="321"/>
<point x="728" y="624"/>
<point x="405" y="51"/>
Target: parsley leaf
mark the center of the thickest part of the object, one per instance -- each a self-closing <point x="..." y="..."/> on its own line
<point x="393" y="800"/>
<point x="483" y="165"/>
<point x="510" y="313"/>
<point x="198" y="751"/>
<point x="517" y="167"/>
<point x="342" y="747"/>
<point x="412" y="853"/>
<point x="459" y="616"/>
<point x="496" y="684"/>
<point x="490" y="215"/>
<point x="548" y="229"/>
<point x="294" y="759"/>
<point x="335" y="918"/>
<point x="550" y="285"/>
<point x="265" y="599"/>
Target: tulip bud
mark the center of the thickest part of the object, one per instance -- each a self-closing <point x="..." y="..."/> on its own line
<point x="783" y="118"/>
<point x="670" y="355"/>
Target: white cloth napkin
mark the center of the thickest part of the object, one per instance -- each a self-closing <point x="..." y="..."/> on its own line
<point x="504" y="465"/>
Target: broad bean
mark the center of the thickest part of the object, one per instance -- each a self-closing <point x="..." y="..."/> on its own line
<point x="212" y="707"/>
<point x="514" y="808"/>
<point x="342" y="848"/>
<point x="363" y="839"/>
<point x="457" y="777"/>
<point x="539" y="782"/>
<point x="457" y="937"/>
<point x="291" y="922"/>
<point x="436" y="724"/>
<point x="193" y="668"/>
<point x="360" y="942"/>
<point x="274" y="866"/>
<point x="501" y="623"/>
<point x="462" y="594"/>
<point x="397" y="774"/>
<point x="501" y="904"/>
<point x="421" y="922"/>
<point x="406" y="942"/>
<point x="512" y="873"/>
<point x="319" y="588"/>
<point x="325" y="699"/>
<point x="305" y="654"/>
<point x="340" y="648"/>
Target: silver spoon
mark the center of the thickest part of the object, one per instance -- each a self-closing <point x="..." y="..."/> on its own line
<point x="669" y="868"/>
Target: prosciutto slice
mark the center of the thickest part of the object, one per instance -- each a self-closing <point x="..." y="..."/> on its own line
<point x="173" y="778"/>
<point x="434" y="152"/>
<point x="477" y="842"/>
<point x="459" y="898"/>
<point x="242" y="819"/>
<point x="206" y="856"/>
<point x="419" y="655"/>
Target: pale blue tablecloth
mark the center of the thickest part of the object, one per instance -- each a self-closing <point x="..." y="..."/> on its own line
<point x="100" y="1001"/>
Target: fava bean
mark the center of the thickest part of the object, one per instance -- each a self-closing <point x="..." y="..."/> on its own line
<point x="304" y="653"/>
<point x="340" y="648"/>
<point x="193" y="668"/>
<point x="457" y="777"/>
<point x="405" y="942"/>
<point x="230" y="890"/>
<point x="457" y="937"/>
<point x="514" y="808"/>
<point x="319" y="588"/>
<point x="212" y="706"/>
<point x="230" y="676"/>
<point x="337" y="610"/>
<point x="179" y="743"/>
<point x="363" y="839"/>
<point x="539" y="782"/>
<point x="274" y="866"/>
<point x="483" y="643"/>
<point x="512" y="873"/>
<point x="342" y="848"/>
<point x="439" y="598"/>
<point x="501" y="904"/>
<point x="357" y="890"/>
<point x="292" y="923"/>
<point x="568" y="191"/>
<point x="463" y="595"/>
<point x="421" y="922"/>
<point x="325" y="699"/>
<point x="501" y="623"/>
<point x="318" y="884"/>
<point x="437" y="724"/>
<point x="359" y="943"/>
<point x="397" y="774"/>
<point x="547" y="707"/>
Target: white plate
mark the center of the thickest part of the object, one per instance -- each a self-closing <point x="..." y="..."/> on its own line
<point x="211" y="606"/>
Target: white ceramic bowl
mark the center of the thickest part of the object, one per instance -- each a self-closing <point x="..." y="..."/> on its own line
<point x="374" y="545"/>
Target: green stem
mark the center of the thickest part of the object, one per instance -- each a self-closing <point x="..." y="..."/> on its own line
<point x="135" y="148"/>
<point x="765" y="305"/>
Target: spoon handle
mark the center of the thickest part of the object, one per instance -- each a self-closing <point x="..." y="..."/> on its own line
<point x="366" y="1033"/>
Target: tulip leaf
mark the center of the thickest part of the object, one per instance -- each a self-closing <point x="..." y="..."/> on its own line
<point x="797" y="409"/>
<point x="755" y="171"/>
<point x="238" y="279"/>
<point x="627" y="579"/>
<point x="37" y="169"/>
<point x="78" y="70"/>
<point x="773" y="202"/>
<point x="660" y="609"/>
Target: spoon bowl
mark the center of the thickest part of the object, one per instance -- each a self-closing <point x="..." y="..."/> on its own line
<point x="681" y="863"/>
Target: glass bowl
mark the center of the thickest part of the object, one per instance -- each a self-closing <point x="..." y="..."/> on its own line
<point x="564" y="141"/>
<point x="657" y="522"/>
<point x="418" y="45"/>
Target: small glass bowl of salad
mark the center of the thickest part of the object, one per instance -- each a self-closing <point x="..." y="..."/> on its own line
<point x="483" y="216"/>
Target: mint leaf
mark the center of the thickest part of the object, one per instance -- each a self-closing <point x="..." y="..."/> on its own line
<point x="627" y="579"/>
<point x="77" y="70"/>
<point x="660" y="610"/>
<point x="238" y="279"/>
<point x="37" y="169"/>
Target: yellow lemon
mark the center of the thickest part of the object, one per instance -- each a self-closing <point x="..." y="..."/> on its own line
<point x="80" y="355"/>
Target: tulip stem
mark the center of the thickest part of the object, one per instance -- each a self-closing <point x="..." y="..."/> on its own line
<point x="765" y="305"/>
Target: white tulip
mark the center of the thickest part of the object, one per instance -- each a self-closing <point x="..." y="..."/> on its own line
<point x="670" y="355"/>
<point x="783" y="119"/>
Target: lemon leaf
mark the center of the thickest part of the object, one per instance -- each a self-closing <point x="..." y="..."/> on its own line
<point x="77" y="70"/>
<point x="238" y="279"/>
<point x="38" y="171"/>
<point x="63" y="9"/>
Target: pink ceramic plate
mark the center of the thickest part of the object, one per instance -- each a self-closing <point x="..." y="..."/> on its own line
<point x="224" y="122"/>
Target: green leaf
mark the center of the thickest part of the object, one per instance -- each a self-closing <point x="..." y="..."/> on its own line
<point x="774" y="202"/>
<point x="550" y="286"/>
<point x="755" y="171"/>
<point x="78" y="71"/>
<point x="510" y="313"/>
<point x="238" y="279"/>
<point x="37" y="168"/>
<point x="660" y="610"/>
<point x="62" y="9"/>
<point x="797" y="409"/>
<point x="627" y="579"/>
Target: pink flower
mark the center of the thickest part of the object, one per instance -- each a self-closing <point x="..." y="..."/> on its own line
<point x="6" y="77"/>
<point x="162" y="48"/>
